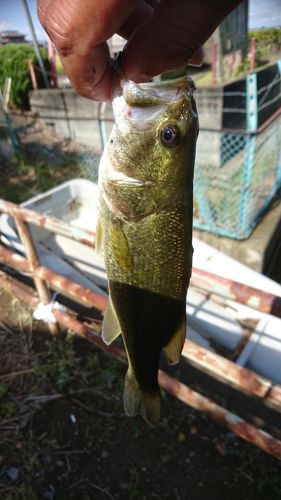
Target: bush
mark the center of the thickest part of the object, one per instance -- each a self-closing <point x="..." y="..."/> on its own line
<point x="14" y="63"/>
<point x="268" y="48"/>
<point x="267" y="36"/>
<point x="268" y="42"/>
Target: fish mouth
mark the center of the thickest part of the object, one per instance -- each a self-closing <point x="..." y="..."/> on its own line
<point x="142" y="104"/>
<point x="157" y="93"/>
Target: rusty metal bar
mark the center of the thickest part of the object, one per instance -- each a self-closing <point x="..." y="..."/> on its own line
<point x="14" y="260"/>
<point x="32" y="257"/>
<point x="67" y="287"/>
<point x="213" y="364"/>
<point x="73" y="290"/>
<point x="246" y="431"/>
<point x="226" y="370"/>
<point x="232" y="290"/>
<point x="273" y="398"/>
<point x="21" y="291"/>
<point x="212" y="283"/>
<point x="50" y="223"/>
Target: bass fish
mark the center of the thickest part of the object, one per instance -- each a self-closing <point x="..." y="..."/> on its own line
<point x="145" y="229"/>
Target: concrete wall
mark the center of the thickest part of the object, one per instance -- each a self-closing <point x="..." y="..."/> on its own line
<point x="71" y="115"/>
<point x="78" y="118"/>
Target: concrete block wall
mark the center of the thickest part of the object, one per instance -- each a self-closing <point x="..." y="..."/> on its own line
<point x="71" y="115"/>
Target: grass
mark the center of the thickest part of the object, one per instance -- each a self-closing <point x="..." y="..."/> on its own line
<point x="44" y="161"/>
<point x="32" y="174"/>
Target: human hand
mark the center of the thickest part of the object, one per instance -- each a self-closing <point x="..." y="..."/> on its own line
<point x="162" y="35"/>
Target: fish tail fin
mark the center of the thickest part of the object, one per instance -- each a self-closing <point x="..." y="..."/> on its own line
<point x="138" y="402"/>
<point x="173" y="349"/>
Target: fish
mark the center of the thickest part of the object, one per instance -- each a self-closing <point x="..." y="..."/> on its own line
<point x="145" y="230"/>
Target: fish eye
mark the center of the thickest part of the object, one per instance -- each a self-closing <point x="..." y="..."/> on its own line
<point x="170" y="136"/>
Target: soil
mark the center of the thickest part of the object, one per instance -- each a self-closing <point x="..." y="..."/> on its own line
<point x="64" y="434"/>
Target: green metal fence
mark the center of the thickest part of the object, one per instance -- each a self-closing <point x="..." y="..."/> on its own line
<point x="238" y="160"/>
<point x="237" y="173"/>
<point x="230" y="198"/>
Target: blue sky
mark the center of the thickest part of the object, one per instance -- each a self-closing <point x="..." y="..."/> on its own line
<point x="264" y="13"/>
<point x="12" y="15"/>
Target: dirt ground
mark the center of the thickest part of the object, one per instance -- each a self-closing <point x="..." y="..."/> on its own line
<point x="63" y="432"/>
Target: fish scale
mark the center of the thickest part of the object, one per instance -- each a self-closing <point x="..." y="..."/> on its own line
<point x="145" y="227"/>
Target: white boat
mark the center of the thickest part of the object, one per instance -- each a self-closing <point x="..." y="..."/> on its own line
<point x="250" y="337"/>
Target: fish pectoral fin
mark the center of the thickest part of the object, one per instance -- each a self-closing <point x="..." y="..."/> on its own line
<point x="120" y="248"/>
<point x="110" y="325"/>
<point x="138" y="402"/>
<point x="173" y="349"/>
<point x="99" y="237"/>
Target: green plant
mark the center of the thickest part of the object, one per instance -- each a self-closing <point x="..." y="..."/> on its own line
<point x="4" y="388"/>
<point x="14" y="64"/>
<point x="8" y="409"/>
<point x="268" y="44"/>
<point x="60" y="365"/>
<point x="22" y="492"/>
<point x="269" y="37"/>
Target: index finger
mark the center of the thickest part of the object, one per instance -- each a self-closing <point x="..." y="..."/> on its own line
<point x="79" y="30"/>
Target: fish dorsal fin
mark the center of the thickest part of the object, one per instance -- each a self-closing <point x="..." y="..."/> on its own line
<point x="99" y="236"/>
<point x="110" y="325"/>
<point x="173" y="349"/>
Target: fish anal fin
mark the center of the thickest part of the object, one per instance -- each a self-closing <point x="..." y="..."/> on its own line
<point x="138" y="402"/>
<point x="99" y="236"/>
<point x="110" y="325"/>
<point x="173" y="349"/>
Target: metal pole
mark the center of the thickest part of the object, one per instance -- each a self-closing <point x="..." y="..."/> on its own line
<point x="252" y="125"/>
<point x="252" y="54"/>
<point x="102" y="128"/>
<point x="51" y="57"/>
<point x="214" y="63"/>
<point x="32" y="257"/>
<point x="32" y="75"/>
<point x="11" y="130"/>
<point x="35" y="43"/>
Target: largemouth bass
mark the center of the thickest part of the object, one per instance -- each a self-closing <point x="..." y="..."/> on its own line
<point x="145" y="227"/>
